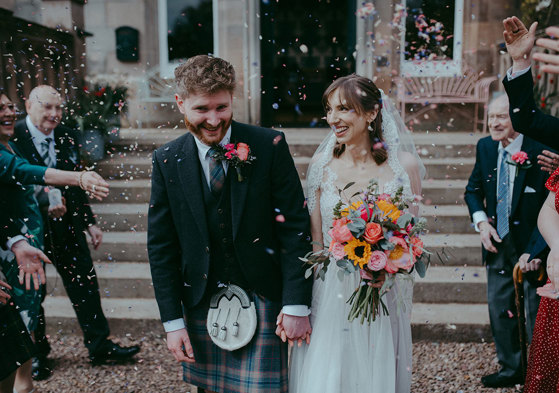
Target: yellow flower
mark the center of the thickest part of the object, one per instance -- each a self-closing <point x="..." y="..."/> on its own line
<point x="353" y="206"/>
<point x="358" y="251"/>
<point x="389" y="210"/>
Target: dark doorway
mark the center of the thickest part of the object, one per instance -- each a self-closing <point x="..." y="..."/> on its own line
<point x="305" y="46"/>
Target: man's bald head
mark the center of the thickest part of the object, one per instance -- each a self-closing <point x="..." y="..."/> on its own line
<point x="44" y="107"/>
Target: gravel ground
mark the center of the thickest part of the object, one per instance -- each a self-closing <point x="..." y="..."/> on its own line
<point x="438" y="367"/>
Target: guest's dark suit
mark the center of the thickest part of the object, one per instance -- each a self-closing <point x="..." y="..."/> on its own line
<point x="65" y="241"/>
<point x="266" y="249"/>
<point x="529" y="194"/>
<point x="525" y="115"/>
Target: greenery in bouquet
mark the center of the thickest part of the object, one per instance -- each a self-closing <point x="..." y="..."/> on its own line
<point x="379" y="238"/>
<point x="97" y="107"/>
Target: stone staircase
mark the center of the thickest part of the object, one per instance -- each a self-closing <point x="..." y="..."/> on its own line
<point x="449" y="303"/>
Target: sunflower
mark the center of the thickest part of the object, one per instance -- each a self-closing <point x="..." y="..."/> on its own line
<point x="353" y="206"/>
<point x="358" y="251"/>
<point x="389" y="210"/>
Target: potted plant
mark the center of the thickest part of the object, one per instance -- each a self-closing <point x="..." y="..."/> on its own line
<point x="96" y="113"/>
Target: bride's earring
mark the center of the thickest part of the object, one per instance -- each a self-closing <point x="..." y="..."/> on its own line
<point x="370" y="127"/>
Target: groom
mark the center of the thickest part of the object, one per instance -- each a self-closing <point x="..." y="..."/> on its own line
<point x="208" y="226"/>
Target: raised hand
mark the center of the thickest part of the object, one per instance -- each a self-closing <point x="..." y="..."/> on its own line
<point x="30" y="266"/>
<point x="4" y="296"/>
<point x="548" y="161"/>
<point x="94" y="184"/>
<point x="552" y="60"/>
<point x="519" y="41"/>
<point x="178" y="343"/>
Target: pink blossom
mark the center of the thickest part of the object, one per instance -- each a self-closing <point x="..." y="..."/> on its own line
<point x="520" y="157"/>
<point x="229" y="146"/>
<point x="229" y="154"/>
<point x="337" y="250"/>
<point x="378" y="261"/>
<point x="340" y="232"/>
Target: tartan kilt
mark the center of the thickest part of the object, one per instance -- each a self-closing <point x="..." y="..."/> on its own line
<point x="260" y="366"/>
<point x="15" y="342"/>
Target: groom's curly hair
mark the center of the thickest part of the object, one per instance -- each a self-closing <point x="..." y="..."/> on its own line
<point x="363" y="96"/>
<point x="204" y="74"/>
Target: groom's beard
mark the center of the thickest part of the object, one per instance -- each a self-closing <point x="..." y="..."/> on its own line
<point x="197" y="131"/>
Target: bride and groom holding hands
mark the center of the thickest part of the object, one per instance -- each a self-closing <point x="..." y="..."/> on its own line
<point x="227" y="210"/>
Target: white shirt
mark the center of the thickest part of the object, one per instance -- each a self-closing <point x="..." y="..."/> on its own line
<point x="512" y="148"/>
<point x="38" y="138"/>
<point x="177" y="324"/>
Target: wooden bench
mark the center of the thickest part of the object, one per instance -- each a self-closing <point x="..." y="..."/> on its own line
<point x="467" y="88"/>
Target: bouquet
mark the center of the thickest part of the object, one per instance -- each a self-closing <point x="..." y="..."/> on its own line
<point x="376" y="236"/>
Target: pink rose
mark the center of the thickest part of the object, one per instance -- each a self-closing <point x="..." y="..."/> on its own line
<point x="337" y="250"/>
<point x="230" y="154"/>
<point x="373" y="233"/>
<point x="365" y="274"/>
<point x="378" y="261"/>
<point x="229" y="146"/>
<point x="242" y="151"/>
<point x="390" y="265"/>
<point x="340" y="232"/>
<point x="520" y="157"/>
<point x="417" y="246"/>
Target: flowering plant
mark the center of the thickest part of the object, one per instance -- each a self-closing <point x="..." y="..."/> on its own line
<point x="520" y="160"/>
<point x="236" y="155"/>
<point x="377" y="237"/>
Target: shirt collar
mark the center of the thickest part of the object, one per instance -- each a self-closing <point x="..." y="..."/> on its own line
<point x="514" y="147"/>
<point x="37" y="135"/>
<point x="203" y="148"/>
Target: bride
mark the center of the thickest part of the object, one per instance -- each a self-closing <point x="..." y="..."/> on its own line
<point x="369" y="141"/>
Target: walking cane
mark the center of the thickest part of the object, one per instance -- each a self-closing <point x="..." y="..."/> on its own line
<point x="518" y="280"/>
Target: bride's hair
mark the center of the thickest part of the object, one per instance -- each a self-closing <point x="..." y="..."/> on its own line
<point x="363" y="96"/>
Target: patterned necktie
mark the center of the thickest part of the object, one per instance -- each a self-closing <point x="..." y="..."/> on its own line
<point x="503" y="196"/>
<point x="45" y="152"/>
<point x="217" y="173"/>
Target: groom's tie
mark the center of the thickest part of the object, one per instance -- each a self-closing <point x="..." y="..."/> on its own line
<point x="503" y="196"/>
<point x="217" y="174"/>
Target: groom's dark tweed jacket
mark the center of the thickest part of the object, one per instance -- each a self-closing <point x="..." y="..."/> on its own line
<point x="267" y="248"/>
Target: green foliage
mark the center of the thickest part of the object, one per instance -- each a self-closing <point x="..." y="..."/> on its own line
<point x="96" y="108"/>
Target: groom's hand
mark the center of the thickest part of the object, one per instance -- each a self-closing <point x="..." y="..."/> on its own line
<point x="296" y="328"/>
<point x="179" y="345"/>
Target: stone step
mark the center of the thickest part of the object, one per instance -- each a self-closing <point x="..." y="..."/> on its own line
<point x="436" y="168"/>
<point x="440" y="322"/>
<point x="125" y="167"/>
<point x="133" y="217"/>
<point x="447" y="249"/>
<point x="435" y="192"/>
<point x="303" y="141"/>
<point x="442" y="284"/>
<point x="116" y="280"/>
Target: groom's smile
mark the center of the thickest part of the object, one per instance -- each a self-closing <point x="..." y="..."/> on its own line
<point x="207" y="116"/>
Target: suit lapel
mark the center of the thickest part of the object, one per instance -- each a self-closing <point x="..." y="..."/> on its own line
<point x="492" y="170"/>
<point x="188" y="166"/>
<point x="520" y="179"/>
<point x="27" y="148"/>
<point x="238" y="189"/>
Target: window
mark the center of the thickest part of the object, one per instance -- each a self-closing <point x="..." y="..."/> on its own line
<point x="432" y="38"/>
<point x="185" y="30"/>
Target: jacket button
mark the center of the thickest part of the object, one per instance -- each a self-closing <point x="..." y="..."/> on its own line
<point x="205" y="276"/>
<point x="224" y="240"/>
<point x="207" y="249"/>
<point x="220" y="211"/>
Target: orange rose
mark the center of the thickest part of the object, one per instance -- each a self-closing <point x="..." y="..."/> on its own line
<point x="417" y="246"/>
<point x="242" y="151"/>
<point x="373" y="233"/>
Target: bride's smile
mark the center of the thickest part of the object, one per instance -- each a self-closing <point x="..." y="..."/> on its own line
<point x="349" y="126"/>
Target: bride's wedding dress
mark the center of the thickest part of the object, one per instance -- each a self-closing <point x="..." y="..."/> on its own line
<point x="343" y="356"/>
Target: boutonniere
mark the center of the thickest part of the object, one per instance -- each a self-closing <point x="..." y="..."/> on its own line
<point x="237" y="156"/>
<point x="521" y="161"/>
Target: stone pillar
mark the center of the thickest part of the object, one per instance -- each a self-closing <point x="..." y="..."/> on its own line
<point x="236" y="39"/>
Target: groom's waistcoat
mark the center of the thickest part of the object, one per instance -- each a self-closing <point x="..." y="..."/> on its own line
<point x="224" y="266"/>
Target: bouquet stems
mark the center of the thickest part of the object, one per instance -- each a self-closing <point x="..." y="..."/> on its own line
<point x="366" y="303"/>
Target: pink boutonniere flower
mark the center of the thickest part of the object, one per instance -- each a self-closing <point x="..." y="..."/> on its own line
<point x="237" y="155"/>
<point x="520" y="160"/>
